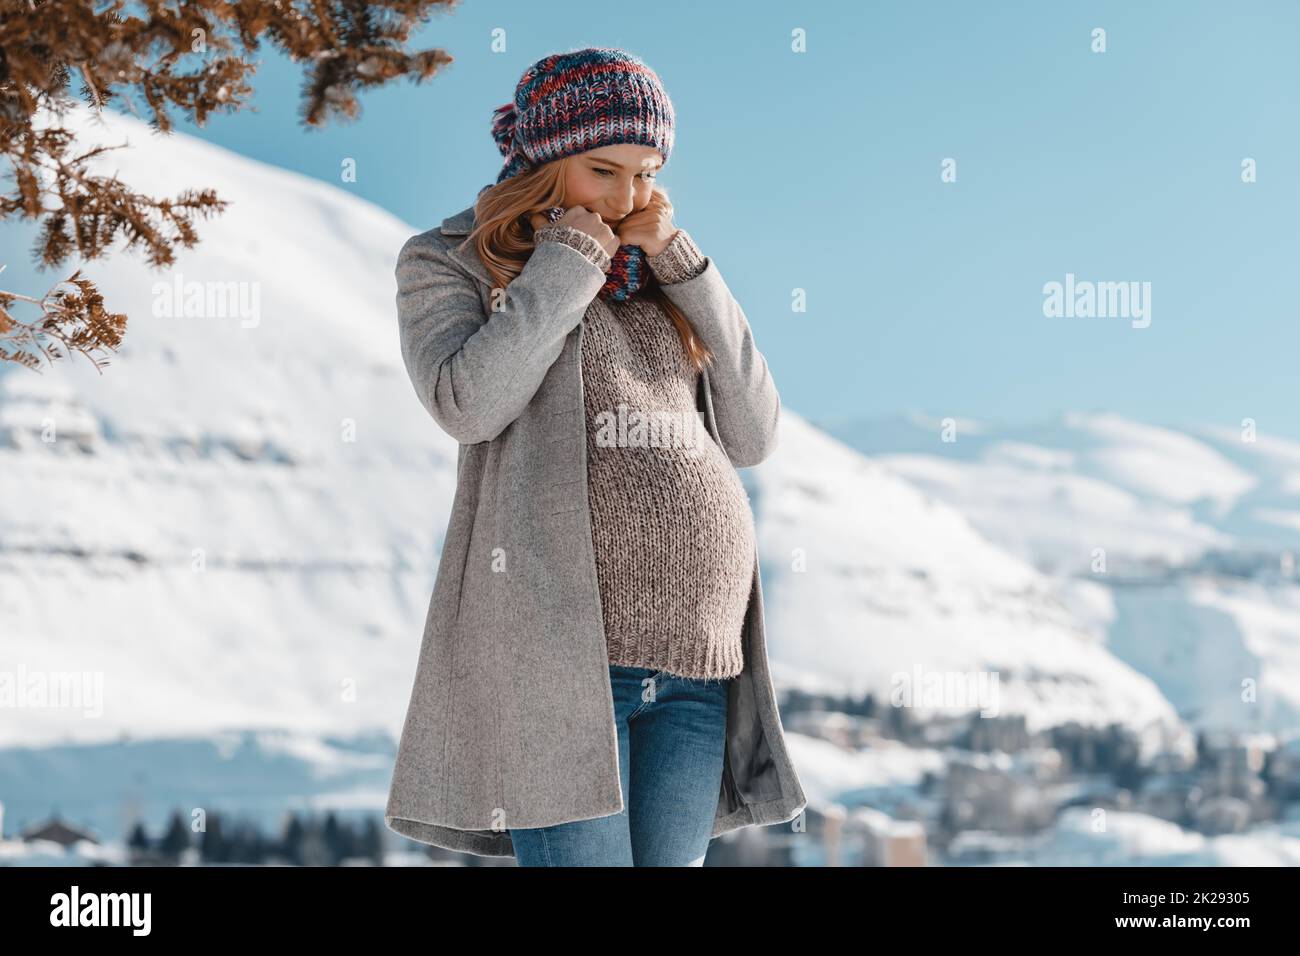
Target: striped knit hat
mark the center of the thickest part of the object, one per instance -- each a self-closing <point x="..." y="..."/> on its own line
<point x="569" y="103"/>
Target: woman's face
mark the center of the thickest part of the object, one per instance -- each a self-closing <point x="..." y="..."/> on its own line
<point x="612" y="181"/>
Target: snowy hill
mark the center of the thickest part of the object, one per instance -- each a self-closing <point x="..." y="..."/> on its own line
<point x="236" y="522"/>
<point x="1173" y="510"/>
<point x="1085" y="480"/>
<point x="894" y="580"/>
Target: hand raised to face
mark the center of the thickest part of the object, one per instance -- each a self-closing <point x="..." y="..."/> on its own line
<point x="650" y="228"/>
<point x="580" y="217"/>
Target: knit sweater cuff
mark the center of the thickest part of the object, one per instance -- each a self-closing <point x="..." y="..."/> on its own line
<point x="582" y="241"/>
<point x="680" y="260"/>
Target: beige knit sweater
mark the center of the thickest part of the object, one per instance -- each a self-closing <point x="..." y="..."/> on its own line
<point x="671" y="522"/>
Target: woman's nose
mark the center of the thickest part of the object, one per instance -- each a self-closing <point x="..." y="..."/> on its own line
<point x="622" y="206"/>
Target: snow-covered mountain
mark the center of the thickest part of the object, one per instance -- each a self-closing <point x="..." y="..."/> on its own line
<point x="867" y="578"/>
<point x="1199" y="530"/>
<point x="236" y="522"/>
<point x="1080" y="481"/>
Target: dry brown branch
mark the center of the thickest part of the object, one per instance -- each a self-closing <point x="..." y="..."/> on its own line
<point x="195" y="57"/>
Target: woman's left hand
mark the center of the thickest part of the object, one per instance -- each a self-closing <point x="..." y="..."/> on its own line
<point x="650" y="228"/>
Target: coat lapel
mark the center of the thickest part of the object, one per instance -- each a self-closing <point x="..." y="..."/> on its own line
<point x="461" y="224"/>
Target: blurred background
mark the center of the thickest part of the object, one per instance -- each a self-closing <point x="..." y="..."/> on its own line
<point x="1029" y="572"/>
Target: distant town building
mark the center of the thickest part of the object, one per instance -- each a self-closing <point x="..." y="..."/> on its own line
<point x="57" y="831"/>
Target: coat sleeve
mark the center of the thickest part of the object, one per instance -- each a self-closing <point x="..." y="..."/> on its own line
<point x="745" y="401"/>
<point x="475" y="373"/>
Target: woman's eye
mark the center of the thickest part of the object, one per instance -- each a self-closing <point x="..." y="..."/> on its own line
<point x="648" y="177"/>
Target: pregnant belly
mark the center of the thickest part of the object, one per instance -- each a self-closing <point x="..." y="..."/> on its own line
<point x="678" y="517"/>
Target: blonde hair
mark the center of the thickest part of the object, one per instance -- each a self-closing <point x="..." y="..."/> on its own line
<point x="503" y="238"/>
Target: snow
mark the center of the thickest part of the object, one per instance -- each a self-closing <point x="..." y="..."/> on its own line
<point x="1136" y="839"/>
<point x="867" y="578"/>
<point x="1217" y="636"/>
<point x="235" y="525"/>
<point x="830" y="773"/>
<point x="1153" y="502"/>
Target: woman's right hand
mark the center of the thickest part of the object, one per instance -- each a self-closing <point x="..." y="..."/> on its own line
<point x="580" y="217"/>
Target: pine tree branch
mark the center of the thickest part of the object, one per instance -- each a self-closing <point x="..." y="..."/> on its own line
<point x="345" y="46"/>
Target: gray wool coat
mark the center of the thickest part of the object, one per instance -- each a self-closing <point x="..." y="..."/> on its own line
<point x="511" y="721"/>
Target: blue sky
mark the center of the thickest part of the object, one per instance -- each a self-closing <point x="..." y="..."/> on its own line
<point x="821" y="171"/>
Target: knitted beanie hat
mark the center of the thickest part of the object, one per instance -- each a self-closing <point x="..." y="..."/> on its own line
<point x="568" y="103"/>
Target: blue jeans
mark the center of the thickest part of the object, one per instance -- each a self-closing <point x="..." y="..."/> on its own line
<point x="671" y="736"/>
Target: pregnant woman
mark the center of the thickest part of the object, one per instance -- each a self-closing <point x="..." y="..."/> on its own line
<point x="572" y="344"/>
